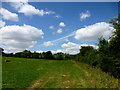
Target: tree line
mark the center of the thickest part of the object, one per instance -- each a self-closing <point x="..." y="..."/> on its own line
<point x="42" y="55"/>
<point x="106" y="57"/>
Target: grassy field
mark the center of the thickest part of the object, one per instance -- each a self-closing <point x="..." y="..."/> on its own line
<point x="37" y="73"/>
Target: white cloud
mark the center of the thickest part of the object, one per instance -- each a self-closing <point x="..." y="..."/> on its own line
<point x="59" y="30"/>
<point x="72" y="48"/>
<point x="37" y="51"/>
<point x="93" y="32"/>
<point x="51" y="27"/>
<point x="2" y="23"/>
<point x="94" y="46"/>
<point x="62" y="24"/>
<point x="17" y="38"/>
<point x="72" y="52"/>
<point x="49" y="43"/>
<point x="70" y="45"/>
<point x="29" y="10"/>
<point x="84" y="15"/>
<point x="7" y="15"/>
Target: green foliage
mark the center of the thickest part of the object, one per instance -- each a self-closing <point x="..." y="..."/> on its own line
<point x="114" y="44"/>
<point x="47" y="55"/>
<point x="87" y="53"/>
<point x="43" y="55"/>
<point x="36" y="55"/>
<point x="103" y="46"/>
<point x="59" y="56"/>
<point x="107" y="56"/>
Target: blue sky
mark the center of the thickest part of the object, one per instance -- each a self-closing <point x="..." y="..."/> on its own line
<point x="74" y="18"/>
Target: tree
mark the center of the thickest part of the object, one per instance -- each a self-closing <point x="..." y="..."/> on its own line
<point x="18" y="54"/>
<point x="85" y="49"/>
<point x="114" y="44"/>
<point x="59" y="56"/>
<point x="103" y="46"/>
<point x="114" y="48"/>
<point x="109" y="52"/>
<point x="48" y="55"/>
<point x="35" y="55"/>
<point x="87" y="53"/>
<point x="26" y="54"/>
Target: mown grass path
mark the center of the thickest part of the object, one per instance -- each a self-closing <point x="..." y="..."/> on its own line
<point x="36" y="73"/>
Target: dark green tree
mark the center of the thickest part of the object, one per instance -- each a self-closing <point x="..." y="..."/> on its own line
<point x="26" y="54"/>
<point x="114" y="44"/>
<point x="35" y="55"/>
<point x="59" y="56"/>
<point x="114" y="48"/>
<point x="48" y="55"/>
<point x="103" y="46"/>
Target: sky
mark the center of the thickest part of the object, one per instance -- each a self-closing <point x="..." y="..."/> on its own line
<point x="55" y="26"/>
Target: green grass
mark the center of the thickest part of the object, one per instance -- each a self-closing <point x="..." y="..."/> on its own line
<point x="38" y="73"/>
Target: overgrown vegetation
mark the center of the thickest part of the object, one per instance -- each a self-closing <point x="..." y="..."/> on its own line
<point x="106" y="57"/>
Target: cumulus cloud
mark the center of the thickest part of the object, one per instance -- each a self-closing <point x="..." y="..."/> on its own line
<point x="62" y="24"/>
<point x="29" y="10"/>
<point x="2" y="23"/>
<point x="51" y="27"/>
<point x="70" y="45"/>
<point x="17" y="38"/>
<point x="49" y="43"/>
<point x="84" y="15"/>
<point x="72" y="48"/>
<point x="7" y="15"/>
<point x="93" y="32"/>
<point x="59" y="30"/>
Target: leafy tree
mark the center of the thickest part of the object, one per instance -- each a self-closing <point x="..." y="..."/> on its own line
<point x="35" y="55"/>
<point x="85" y="49"/>
<point x="114" y="44"/>
<point x="109" y="60"/>
<point x="103" y="46"/>
<point x="59" y="56"/>
<point x="114" y="48"/>
<point x="87" y="53"/>
<point x="26" y="54"/>
<point x="18" y="54"/>
<point x="8" y="54"/>
<point x="48" y="55"/>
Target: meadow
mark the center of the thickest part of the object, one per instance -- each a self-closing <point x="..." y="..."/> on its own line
<point x="41" y="73"/>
